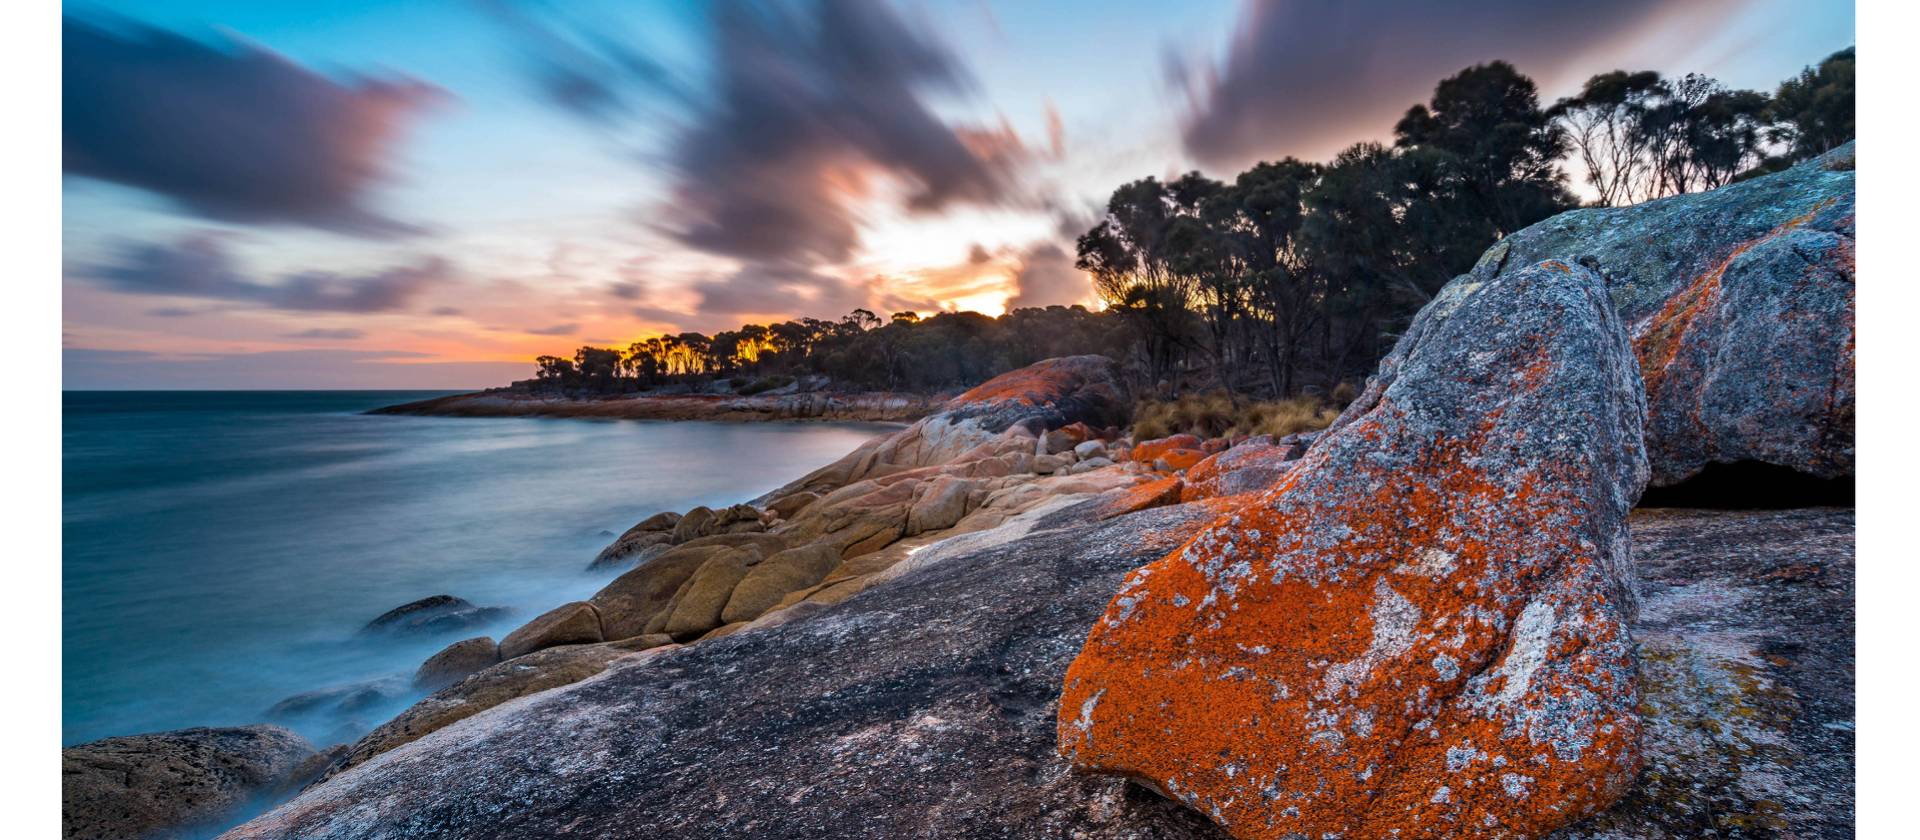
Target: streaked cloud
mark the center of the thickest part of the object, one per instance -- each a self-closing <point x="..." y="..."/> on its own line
<point x="229" y="130"/>
<point x="1307" y="78"/>
<point x="200" y="266"/>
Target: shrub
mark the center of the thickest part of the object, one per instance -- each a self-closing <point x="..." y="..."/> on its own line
<point x="1218" y="415"/>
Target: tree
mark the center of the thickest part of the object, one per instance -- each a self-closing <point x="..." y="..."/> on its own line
<point x="1604" y="127"/>
<point x="1486" y="126"/>
<point x="1815" y="108"/>
<point x="1286" y="288"/>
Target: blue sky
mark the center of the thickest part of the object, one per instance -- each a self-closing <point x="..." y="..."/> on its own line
<point x="708" y="165"/>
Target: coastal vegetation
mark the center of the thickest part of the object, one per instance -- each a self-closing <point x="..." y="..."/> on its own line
<point x="1295" y="276"/>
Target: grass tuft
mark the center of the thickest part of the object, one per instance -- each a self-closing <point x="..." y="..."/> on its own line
<point x="1214" y="415"/>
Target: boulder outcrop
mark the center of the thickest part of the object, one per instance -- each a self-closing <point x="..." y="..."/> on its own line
<point x="1423" y="630"/>
<point x="1740" y="304"/>
<point x="925" y="707"/>
<point x="567" y="624"/>
<point x="176" y="784"/>
<point x="456" y="662"/>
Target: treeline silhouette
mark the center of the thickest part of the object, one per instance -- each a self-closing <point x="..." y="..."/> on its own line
<point x="1295" y="276"/>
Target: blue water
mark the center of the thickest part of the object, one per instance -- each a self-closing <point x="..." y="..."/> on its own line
<point x="221" y="549"/>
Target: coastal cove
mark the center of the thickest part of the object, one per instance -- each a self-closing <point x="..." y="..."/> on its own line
<point x="224" y="549"/>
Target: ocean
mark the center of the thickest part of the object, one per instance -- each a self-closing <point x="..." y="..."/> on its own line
<point x="223" y="549"/>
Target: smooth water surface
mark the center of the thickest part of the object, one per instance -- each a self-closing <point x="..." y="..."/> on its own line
<point x="223" y="548"/>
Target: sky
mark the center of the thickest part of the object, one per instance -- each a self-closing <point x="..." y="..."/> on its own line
<point x="362" y="194"/>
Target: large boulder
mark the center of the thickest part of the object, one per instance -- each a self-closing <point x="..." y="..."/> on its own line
<point x="1007" y="413"/>
<point x="630" y="603"/>
<point x="697" y="606"/>
<point x="1422" y="632"/>
<point x="1740" y="304"/>
<point x="1053" y="393"/>
<point x="567" y="624"/>
<point x="771" y="579"/>
<point x="179" y="784"/>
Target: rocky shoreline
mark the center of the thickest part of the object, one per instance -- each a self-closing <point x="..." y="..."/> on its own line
<point x="817" y="405"/>
<point x="1441" y="617"/>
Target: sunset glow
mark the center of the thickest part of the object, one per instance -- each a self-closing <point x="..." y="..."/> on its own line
<point x="532" y="178"/>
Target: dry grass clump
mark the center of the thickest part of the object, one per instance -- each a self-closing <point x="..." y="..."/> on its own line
<point x="1216" y="415"/>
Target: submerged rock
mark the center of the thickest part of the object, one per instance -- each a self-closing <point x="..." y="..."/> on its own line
<point x="339" y="701"/>
<point x="1422" y="632"/>
<point x="434" y="614"/>
<point x="176" y="784"/>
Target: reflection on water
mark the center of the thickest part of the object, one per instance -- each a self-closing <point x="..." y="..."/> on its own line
<point x="223" y="549"/>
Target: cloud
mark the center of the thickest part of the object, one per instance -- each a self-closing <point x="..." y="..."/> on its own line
<point x="1307" y="78"/>
<point x="346" y="334"/>
<point x="171" y="312"/>
<point x="230" y="130"/>
<point x="1046" y="277"/>
<point x="581" y="68"/>
<point x="811" y="110"/>
<point x="556" y="329"/>
<point x="812" y="103"/>
<point x="627" y="290"/>
<point x="199" y="266"/>
<point x="445" y="311"/>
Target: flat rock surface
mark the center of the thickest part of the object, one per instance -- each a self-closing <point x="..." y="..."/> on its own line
<point x="172" y="784"/>
<point x="925" y="707"/>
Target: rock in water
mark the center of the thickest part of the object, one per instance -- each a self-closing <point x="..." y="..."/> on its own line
<point x="171" y="784"/>
<point x="1739" y="302"/>
<point x="433" y="614"/>
<point x="1423" y="630"/>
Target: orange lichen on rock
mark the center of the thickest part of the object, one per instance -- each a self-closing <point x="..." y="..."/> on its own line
<point x="1156" y="493"/>
<point x="1148" y="451"/>
<point x="1252" y="466"/>
<point x="1742" y="359"/>
<point x="1419" y="631"/>
<point x="1179" y="459"/>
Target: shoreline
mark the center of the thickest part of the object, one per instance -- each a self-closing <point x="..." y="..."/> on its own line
<point x="874" y="407"/>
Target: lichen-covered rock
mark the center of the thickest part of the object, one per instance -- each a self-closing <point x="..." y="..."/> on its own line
<point x="1148" y="451"/>
<point x="1746" y="677"/>
<point x="937" y="717"/>
<point x="1423" y="631"/>
<point x="567" y="624"/>
<point x="1250" y="467"/>
<point x="166" y="785"/>
<point x="1053" y="393"/>
<point x="456" y="662"/>
<point x="1740" y="304"/>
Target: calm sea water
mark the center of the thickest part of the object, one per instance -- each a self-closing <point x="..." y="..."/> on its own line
<point x="223" y="548"/>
